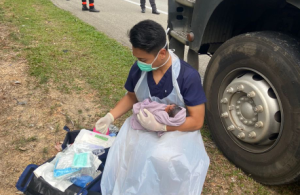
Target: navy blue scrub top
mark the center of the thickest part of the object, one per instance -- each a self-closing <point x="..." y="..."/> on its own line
<point x="189" y="82"/>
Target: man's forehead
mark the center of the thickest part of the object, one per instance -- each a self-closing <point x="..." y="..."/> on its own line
<point x="139" y="53"/>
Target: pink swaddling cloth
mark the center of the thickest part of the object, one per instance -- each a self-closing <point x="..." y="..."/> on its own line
<point x="158" y="110"/>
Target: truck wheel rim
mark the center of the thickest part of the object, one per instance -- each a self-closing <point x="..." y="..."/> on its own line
<point x="250" y="110"/>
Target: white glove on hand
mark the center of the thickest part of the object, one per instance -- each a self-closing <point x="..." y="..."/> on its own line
<point x="103" y="123"/>
<point x="149" y="122"/>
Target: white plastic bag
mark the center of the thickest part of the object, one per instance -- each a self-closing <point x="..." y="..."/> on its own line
<point x="77" y="164"/>
<point x="139" y="162"/>
<point x="92" y="138"/>
<point x="46" y="171"/>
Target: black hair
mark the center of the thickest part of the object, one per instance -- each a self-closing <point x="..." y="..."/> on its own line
<point x="149" y="36"/>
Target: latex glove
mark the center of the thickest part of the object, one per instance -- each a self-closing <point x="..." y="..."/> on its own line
<point x="103" y="123"/>
<point x="149" y="122"/>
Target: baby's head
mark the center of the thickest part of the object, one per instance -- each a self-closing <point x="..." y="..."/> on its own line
<point x="172" y="110"/>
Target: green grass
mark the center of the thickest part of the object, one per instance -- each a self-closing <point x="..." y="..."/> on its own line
<point x="61" y="48"/>
<point x="1" y="14"/>
<point x="22" y="141"/>
<point x="45" y="152"/>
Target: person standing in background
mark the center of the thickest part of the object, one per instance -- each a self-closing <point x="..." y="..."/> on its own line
<point x="91" y="6"/>
<point x="153" y="5"/>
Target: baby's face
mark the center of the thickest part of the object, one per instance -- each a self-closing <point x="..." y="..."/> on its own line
<point x="172" y="110"/>
<point x="169" y="108"/>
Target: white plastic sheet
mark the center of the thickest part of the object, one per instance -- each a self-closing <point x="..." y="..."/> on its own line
<point x="46" y="171"/>
<point x="61" y="170"/>
<point x="139" y="162"/>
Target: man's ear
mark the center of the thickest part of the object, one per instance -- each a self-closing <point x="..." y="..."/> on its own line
<point x="163" y="53"/>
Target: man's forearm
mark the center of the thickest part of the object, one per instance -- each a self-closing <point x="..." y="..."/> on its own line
<point x="190" y="124"/>
<point x="124" y="105"/>
<point x="194" y="121"/>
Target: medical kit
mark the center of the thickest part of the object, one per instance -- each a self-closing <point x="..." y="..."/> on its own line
<point x="77" y="169"/>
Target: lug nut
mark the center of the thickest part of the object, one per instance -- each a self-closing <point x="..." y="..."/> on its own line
<point x="230" y="90"/>
<point x="252" y="134"/>
<point x="254" y="119"/>
<point x="241" y="118"/>
<point x="245" y="122"/>
<point x="259" y="124"/>
<point x="250" y="122"/>
<point x="237" y="107"/>
<point x="240" y="128"/>
<point x="238" y="113"/>
<point x="251" y="94"/>
<point x="238" y="102"/>
<point x="240" y="88"/>
<point x="224" y="115"/>
<point x="241" y="135"/>
<point x="224" y="100"/>
<point x="259" y="108"/>
<point x="231" y="128"/>
<point x="242" y="99"/>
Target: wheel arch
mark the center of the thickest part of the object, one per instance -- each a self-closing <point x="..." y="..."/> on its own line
<point x="230" y="18"/>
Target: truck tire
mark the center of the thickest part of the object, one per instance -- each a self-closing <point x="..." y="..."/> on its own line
<point x="252" y="84"/>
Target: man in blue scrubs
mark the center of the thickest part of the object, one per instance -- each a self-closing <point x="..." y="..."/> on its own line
<point x="140" y="162"/>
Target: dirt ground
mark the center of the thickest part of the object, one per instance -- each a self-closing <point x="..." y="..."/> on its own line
<point x="32" y="117"/>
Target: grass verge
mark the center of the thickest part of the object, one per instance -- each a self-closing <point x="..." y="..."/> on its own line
<point x="63" y="49"/>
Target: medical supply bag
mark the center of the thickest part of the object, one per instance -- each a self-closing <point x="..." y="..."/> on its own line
<point x="30" y="184"/>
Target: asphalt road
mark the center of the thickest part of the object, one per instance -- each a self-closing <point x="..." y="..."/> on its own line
<point x="116" y="17"/>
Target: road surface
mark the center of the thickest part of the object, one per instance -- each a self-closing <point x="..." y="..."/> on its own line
<point x="116" y="17"/>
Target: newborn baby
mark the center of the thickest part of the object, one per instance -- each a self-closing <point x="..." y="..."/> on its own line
<point x="171" y="115"/>
<point x="172" y="110"/>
